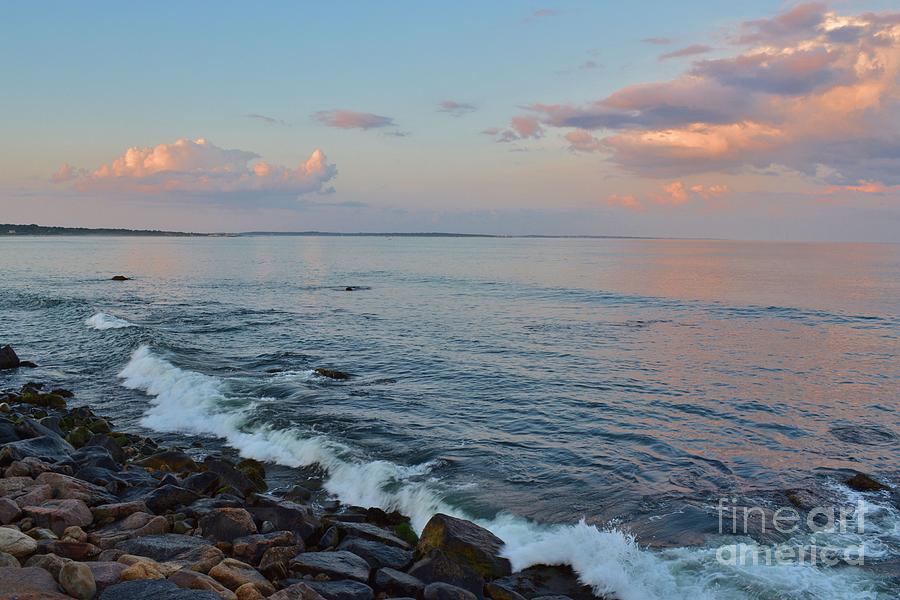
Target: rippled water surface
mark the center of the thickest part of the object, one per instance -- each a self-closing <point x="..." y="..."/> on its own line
<point x="524" y="382"/>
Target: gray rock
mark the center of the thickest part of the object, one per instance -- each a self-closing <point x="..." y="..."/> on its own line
<point x="8" y="358"/>
<point x="169" y="497"/>
<point x="393" y="582"/>
<point x="106" y="573"/>
<point x="288" y="516"/>
<point x="159" y="589"/>
<point x="437" y="567"/>
<point x="46" y="448"/>
<point x="342" y="590"/>
<point x="226" y="524"/>
<point x="543" y="580"/>
<point x="162" y="548"/>
<point x="338" y="565"/>
<point x="445" y="591"/>
<point x="378" y="555"/>
<point x="26" y="580"/>
<point x="368" y="531"/>
<point x="464" y="542"/>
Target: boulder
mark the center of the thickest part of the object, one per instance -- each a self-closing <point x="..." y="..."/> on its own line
<point x="70" y="549"/>
<point x="342" y="590"/>
<point x="141" y="569"/>
<point x="201" y="559"/>
<point x="13" y="541"/>
<point x="233" y="574"/>
<point x="154" y="590"/>
<point x="74" y="534"/>
<point x="169" y="497"/>
<point x="466" y="543"/>
<point x="21" y="582"/>
<point x="251" y="548"/>
<point x="107" y="513"/>
<point x="298" y="591"/>
<point x="204" y="483"/>
<point x="249" y="591"/>
<point x="288" y="516"/>
<point x="8" y="358"/>
<point x="191" y="580"/>
<point x="51" y="563"/>
<point x="543" y="580"/>
<point x="106" y="573"/>
<point x="378" y="555"/>
<point x="46" y="448"/>
<point x="275" y="563"/>
<point x="172" y="461"/>
<point x="8" y="560"/>
<point x="9" y="511"/>
<point x="368" y="531"/>
<point x="134" y="525"/>
<point x="70" y="488"/>
<point x="445" y="591"/>
<point x="57" y="515"/>
<point x="339" y="564"/>
<point x="34" y="496"/>
<point x="226" y="524"/>
<point x="494" y="591"/>
<point x="397" y="583"/>
<point x="437" y="567"/>
<point x="233" y="476"/>
<point x="77" y="580"/>
<point x="163" y="547"/>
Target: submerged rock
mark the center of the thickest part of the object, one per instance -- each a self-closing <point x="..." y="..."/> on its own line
<point x="543" y="580"/>
<point x="332" y="374"/>
<point x="863" y="483"/>
<point x="119" y="278"/>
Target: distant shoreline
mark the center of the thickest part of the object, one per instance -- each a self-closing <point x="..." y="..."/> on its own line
<point x="12" y="230"/>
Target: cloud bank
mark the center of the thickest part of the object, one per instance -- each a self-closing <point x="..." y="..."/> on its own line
<point x="808" y="90"/>
<point x="199" y="167"/>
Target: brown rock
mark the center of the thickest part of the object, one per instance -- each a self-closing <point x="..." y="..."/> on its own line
<point x="9" y="511"/>
<point x="72" y="550"/>
<point x="298" y="591"/>
<point x="249" y="591"/>
<point x="234" y="573"/>
<point x="226" y="524"/>
<point x="106" y="573"/>
<point x="70" y="488"/>
<point x="145" y="569"/>
<point x="251" y="548"/>
<point x="275" y="563"/>
<point x="59" y="514"/>
<point x="107" y="513"/>
<point x="466" y="543"/>
<point x="74" y="534"/>
<point x="34" y="496"/>
<point x="170" y="460"/>
<point x="192" y="580"/>
<point x="16" y="543"/>
<point x="78" y="581"/>
<point x="27" y="580"/>
<point x="48" y="562"/>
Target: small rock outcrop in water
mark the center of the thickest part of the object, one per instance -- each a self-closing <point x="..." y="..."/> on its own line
<point x="332" y="374"/>
<point x="120" y="278"/>
<point x="863" y="483"/>
<point x="10" y="360"/>
<point x="114" y="516"/>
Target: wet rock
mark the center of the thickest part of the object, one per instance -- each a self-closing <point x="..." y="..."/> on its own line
<point x="298" y="591"/>
<point x="298" y="493"/>
<point x="169" y="497"/>
<point x="495" y="591"/>
<point x="9" y="511"/>
<point x="255" y="471"/>
<point x="20" y="582"/>
<point x="78" y="581"/>
<point x="154" y="590"/>
<point x="342" y="590"/>
<point x="107" y="443"/>
<point x="378" y="555"/>
<point x="95" y="456"/>
<point x="331" y="538"/>
<point x="70" y="488"/>
<point x="192" y="580"/>
<point x="48" y="449"/>
<point x="134" y="525"/>
<point x="172" y="461"/>
<point x="226" y="524"/>
<point x="8" y="358"/>
<point x="864" y="483"/>
<point x="397" y="583"/>
<point x="371" y="532"/>
<point x="275" y="563"/>
<point x="201" y="559"/>
<point x="232" y="476"/>
<point x="466" y="543"/>
<point x="543" y="580"/>
<point x="106" y="573"/>
<point x="445" y="591"/>
<point x="339" y="564"/>
<point x="438" y="567"/>
<point x="233" y="574"/>
<point x="162" y="547"/>
<point x="288" y="516"/>
<point x="251" y="548"/>
<point x="56" y="515"/>
<point x="13" y="541"/>
<point x="204" y="483"/>
<point x="8" y="560"/>
<point x="204" y="506"/>
<point x="249" y="591"/>
<point x="120" y="278"/>
<point x="332" y="374"/>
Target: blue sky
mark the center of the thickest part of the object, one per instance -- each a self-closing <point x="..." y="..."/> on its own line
<point x="84" y="82"/>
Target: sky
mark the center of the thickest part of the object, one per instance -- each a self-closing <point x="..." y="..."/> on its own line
<point x="755" y="120"/>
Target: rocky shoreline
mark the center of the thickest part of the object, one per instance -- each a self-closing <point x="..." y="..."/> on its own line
<point x="87" y="511"/>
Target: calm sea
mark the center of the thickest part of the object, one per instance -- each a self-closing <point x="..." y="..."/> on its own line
<point x="592" y="401"/>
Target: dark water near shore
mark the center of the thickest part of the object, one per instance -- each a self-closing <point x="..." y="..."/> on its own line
<point x="523" y="382"/>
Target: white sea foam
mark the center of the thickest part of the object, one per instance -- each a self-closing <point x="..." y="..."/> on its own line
<point x="607" y="559"/>
<point x="103" y="321"/>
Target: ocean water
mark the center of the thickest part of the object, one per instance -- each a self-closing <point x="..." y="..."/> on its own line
<point x="594" y="402"/>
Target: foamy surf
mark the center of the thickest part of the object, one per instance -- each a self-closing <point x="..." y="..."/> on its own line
<point x="608" y="560"/>
<point x="102" y="321"/>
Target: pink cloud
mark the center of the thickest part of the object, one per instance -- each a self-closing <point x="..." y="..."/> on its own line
<point x="691" y="50"/>
<point x="349" y="119"/>
<point x="626" y="201"/>
<point x="864" y="187"/>
<point x="526" y="127"/>
<point x="672" y="195"/>
<point x="710" y="192"/>
<point x="815" y="92"/>
<point x="582" y="141"/>
<point x="199" y="167"/>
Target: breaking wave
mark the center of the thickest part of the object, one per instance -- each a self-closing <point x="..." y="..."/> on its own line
<point x="103" y="321"/>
